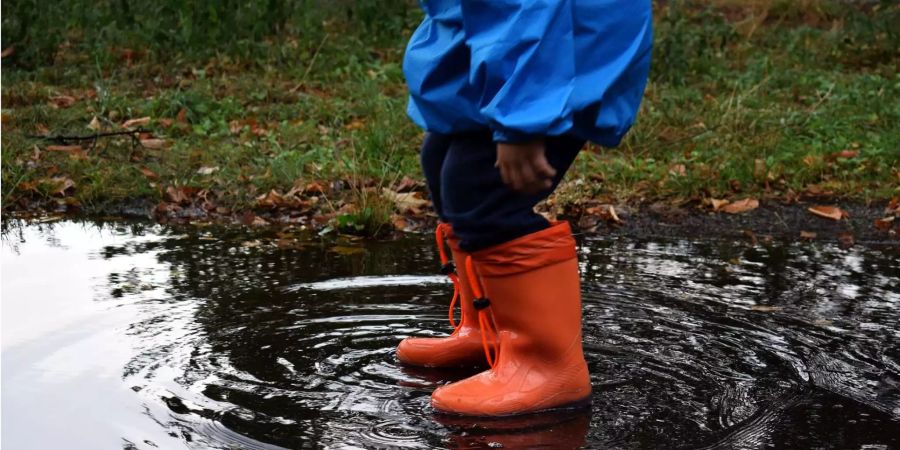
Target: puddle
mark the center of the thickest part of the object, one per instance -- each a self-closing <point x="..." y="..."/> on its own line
<point x="140" y="336"/>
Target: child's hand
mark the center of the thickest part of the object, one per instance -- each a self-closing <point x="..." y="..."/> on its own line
<point x="524" y="166"/>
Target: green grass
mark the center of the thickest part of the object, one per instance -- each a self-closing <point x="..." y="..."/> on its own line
<point x="746" y="98"/>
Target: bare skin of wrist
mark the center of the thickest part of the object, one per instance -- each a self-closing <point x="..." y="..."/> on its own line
<point x="524" y="166"/>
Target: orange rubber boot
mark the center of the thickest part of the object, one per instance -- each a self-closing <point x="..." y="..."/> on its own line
<point x="530" y="316"/>
<point x="463" y="348"/>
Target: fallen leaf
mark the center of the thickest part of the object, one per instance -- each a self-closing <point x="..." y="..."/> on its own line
<point x="314" y="187"/>
<point x="808" y="235"/>
<point x="64" y="148"/>
<point x="8" y="51"/>
<point x="846" y="239"/>
<point x="885" y="223"/>
<point x="717" y="204"/>
<point x="206" y="170"/>
<point x="741" y="206"/>
<point x="408" y="184"/>
<point x="677" y="170"/>
<point x="399" y="222"/>
<point x="843" y="154"/>
<point x="759" y="169"/>
<point x="406" y="201"/>
<point x="181" y="117"/>
<point x="355" y="124"/>
<point x="259" y="222"/>
<point x="893" y="207"/>
<point x="133" y="123"/>
<point x="62" y="101"/>
<point x="148" y="173"/>
<point x="60" y="185"/>
<point x="95" y="124"/>
<point x="155" y="143"/>
<point x="828" y="212"/>
<point x="765" y="308"/>
<point x="165" y="122"/>
<point x="177" y="195"/>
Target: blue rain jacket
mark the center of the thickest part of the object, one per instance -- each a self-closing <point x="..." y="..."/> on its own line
<point x="530" y="68"/>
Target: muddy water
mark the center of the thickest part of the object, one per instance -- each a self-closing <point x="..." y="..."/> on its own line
<point x="138" y="336"/>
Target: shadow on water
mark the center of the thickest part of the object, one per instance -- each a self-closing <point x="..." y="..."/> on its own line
<point x="213" y="338"/>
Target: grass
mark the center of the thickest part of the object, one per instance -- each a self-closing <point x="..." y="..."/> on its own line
<point x="747" y="98"/>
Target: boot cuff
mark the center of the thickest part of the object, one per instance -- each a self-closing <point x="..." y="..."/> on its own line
<point x="543" y="248"/>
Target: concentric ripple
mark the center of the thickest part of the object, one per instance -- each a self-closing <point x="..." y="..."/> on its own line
<point x="691" y="344"/>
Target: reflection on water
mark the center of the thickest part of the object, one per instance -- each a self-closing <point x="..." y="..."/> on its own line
<point x="139" y="336"/>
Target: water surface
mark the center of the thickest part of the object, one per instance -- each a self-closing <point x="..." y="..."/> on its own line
<point x="128" y="335"/>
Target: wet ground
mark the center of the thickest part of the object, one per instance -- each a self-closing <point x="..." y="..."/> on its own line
<point x="140" y="336"/>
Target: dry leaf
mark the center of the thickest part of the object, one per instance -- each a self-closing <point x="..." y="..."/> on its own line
<point x="846" y="239"/>
<point x="62" y="101"/>
<point x="765" y="308"/>
<point x="60" y="185"/>
<point x="177" y="195"/>
<point x="741" y="206"/>
<point x="354" y="124"/>
<point x="677" y="170"/>
<point x="181" y="117"/>
<point x="406" y="201"/>
<point x="829" y="212"/>
<point x="759" y="169"/>
<point x="206" y="170"/>
<point x="95" y="124"/>
<point x="155" y="143"/>
<point x="885" y="223"/>
<point x="808" y="235"/>
<point x="8" y="51"/>
<point x="64" y="148"/>
<point x="148" y="173"/>
<point x="717" y="204"/>
<point x="843" y="154"/>
<point x="134" y="123"/>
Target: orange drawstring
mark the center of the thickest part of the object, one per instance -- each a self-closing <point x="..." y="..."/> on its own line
<point x="448" y="269"/>
<point x="486" y="323"/>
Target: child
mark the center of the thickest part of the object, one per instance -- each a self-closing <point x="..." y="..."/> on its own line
<point x="509" y="91"/>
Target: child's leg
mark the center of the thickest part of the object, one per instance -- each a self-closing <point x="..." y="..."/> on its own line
<point x="482" y="209"/>
<point x="433" y="153"/>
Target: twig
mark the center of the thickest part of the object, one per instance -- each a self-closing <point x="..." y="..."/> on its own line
<point x="62" y="139"/>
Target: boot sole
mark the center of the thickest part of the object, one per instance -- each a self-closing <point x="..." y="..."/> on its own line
<point x="584" y="403"/>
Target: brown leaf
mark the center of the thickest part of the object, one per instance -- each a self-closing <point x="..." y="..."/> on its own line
<point x="134" y="123"/>
<point x="677" y="170"/>
<point x="741" y="206"/>
<point x="177" y="195"/>
<point x="893" y="207"/>
<point x="399" y="222"/>
<point x="155" y="143"/>
<point x="95" y="124"/>
<point x="407" y="201"/>
<point x="62" y="101"/>
<point x="808" y="235"/>
<point x="59" y="185"/>
<point x="8" y="51"/>
<point x="759" y="169"/>
<point x="765" y="308"/>
<point x="165" y="122"/>
<point x="843" y="154"/>
<point x="354" y="124"/>
<point x="181" y="117"/>
<point x="314" y="187"/>
<point x="885" y="223"/>
<point x="717" y="204"/>
<point x="64" y="148"/>
<point x="828" y="212"/>
<point x="408" y="184"/>
<point x="846" y="239"/>
<point x="148" y="173"/>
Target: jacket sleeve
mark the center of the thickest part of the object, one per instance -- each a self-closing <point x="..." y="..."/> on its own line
<point x="522" y="64"/>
